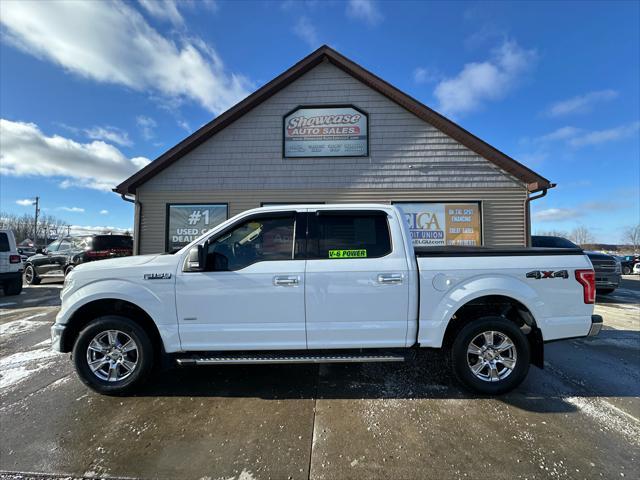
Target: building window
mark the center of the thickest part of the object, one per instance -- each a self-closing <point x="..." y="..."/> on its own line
<point x="448" y="223"/>
<point x="186" y="222"/>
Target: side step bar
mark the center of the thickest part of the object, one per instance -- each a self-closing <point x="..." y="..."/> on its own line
<point x="270" y="358"/>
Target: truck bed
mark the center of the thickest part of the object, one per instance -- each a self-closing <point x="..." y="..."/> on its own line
<point x="456" y="251"/>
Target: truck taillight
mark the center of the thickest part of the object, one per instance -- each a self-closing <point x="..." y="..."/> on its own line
<point x="587" y="278"/>
<point x="14" y="259"/>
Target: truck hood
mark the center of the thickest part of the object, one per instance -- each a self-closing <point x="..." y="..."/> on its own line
<point x="114" y="263"/>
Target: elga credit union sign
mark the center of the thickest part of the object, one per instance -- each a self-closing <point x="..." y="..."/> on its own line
<point x="326" y="132"/>
<point x="433" y="224"/>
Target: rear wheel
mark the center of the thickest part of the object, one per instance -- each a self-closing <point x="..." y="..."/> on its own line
<point x="113" y="355"/>
<point x="13" y="287"/>
<point x="626" y="270"/>
<point x="30" y="276"/>
<point x="490" y="355"/>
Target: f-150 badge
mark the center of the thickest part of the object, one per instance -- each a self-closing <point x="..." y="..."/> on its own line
<point x="157" y="276"/>
<point x="538" y="274"/>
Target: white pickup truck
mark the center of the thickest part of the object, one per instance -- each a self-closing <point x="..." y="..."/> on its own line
<point x="323" y="283"/>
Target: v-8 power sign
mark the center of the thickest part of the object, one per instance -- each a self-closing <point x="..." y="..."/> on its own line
<point x="185" y="223"/>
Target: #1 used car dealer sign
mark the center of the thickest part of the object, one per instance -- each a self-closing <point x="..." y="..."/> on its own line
<point x="326" y="132"/>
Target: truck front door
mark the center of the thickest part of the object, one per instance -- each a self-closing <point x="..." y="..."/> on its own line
<point x="251" y="296"/>
<point x="357" y="291"/>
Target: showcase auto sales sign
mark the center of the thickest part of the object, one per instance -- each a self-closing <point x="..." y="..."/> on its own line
<point x="326" y="132"/>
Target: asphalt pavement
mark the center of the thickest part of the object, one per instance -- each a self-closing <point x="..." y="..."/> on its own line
<point x="577" y="418"/>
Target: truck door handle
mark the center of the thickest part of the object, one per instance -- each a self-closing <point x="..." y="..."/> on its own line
<point x="286" y="281"/>
<point x="390" y="278"/>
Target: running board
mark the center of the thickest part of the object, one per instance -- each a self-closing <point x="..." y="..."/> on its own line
<point x="270" y="358"/>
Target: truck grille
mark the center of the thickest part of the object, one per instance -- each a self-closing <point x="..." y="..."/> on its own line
<point x="604" y="265"/>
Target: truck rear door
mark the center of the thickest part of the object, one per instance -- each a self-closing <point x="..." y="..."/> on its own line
<point x="357" y="287"/>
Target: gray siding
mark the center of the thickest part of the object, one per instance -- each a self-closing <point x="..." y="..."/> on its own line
<point x="503" y="213"/>
<point x="409" y="160"/>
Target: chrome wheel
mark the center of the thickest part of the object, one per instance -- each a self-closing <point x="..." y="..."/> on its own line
<point x="491" y="356"/>
<point x="112" y="355"/>
<point x="29" y="274"/>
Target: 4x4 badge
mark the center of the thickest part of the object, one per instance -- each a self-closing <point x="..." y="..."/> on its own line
<point x="538" y="274"/>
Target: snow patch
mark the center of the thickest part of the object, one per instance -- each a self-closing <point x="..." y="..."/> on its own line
<point x="22" y="365"/>
<point x="24" y="325"/>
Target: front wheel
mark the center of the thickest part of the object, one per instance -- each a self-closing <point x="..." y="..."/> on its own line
<point x="490" y="356"/>
<point x="626" y="270"/>
<point x="113" y="355"/>
<point x="30" y="276"/>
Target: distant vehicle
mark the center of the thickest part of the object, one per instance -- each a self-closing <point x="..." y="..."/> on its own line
<point x="636" y="268"/>
<point x="63" y="255"/>
<point x="628" y="263"/>
<point x="10" y="264"/>
<point x="607" y="268"/>
<point x="26" y="252"/>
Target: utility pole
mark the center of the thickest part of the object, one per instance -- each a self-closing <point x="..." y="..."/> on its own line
<point x="35" y="223"/>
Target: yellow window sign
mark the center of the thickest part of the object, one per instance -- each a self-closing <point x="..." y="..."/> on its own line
<point x="347" y="253"/>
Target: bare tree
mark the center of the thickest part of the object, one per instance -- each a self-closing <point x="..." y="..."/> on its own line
<point x="581" y="235"/>
<point x="552" y="233"/>
<point x="631" y="235"/>
<point x="22" y="225"/>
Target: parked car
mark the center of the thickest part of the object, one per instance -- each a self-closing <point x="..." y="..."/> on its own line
<point x="636" y="268"/>
<point x="608" y="269"/>
<point x="323" y="283"/>
<point x="63" y="255"/>
<point x="10" y="264"/>
<point x="628" y="263"/>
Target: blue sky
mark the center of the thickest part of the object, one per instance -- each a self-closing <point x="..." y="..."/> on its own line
<point x="90" y="92"/>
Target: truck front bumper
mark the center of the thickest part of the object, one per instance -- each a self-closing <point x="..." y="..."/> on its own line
<point x="56" y="337"/>
<point x="596" y="325"/>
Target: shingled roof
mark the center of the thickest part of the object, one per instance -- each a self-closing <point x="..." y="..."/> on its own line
<point x="534" y="181"/>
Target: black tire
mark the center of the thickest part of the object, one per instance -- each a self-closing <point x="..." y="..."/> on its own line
<point x="626" y="270"/>
<point x="144" y="355"/>
<point x="459" y="356"/>
<point x="605" y="291"/>
<point x="30" y="276"/>
<point x="14" y="287"/>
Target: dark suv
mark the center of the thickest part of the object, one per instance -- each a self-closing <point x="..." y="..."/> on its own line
<point x="62" y="255"/>
<point x="608" y="268"/>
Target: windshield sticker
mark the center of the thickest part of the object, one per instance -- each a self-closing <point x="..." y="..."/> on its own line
<point x="348" y="253"/>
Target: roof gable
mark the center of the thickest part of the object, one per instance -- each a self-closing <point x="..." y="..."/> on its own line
<point x="534" y="181"/>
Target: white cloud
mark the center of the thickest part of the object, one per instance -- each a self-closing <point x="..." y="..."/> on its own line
<point x="71" y="209"/>
<point x="166" y="10"/>
<point x="27" y="202"/>
<point x="27" y="151"/>
<point x="112" y="42"/>
<point x="556" y="214"/>
<point x="364" y="10"/>
<point x="147" y="126"/>
<point x="111" y="134"/>
<point x="425" y="75"/>
<point x="577" y="137"/>
<point x="97" y="229"/>
<point x="307" y="32"/>
<point x="183" y="124"/>
<point x="581" y="103"/>
<point x="484" y="81"/>
<point x="104" y="212"/>
<point x="601" y="136"/>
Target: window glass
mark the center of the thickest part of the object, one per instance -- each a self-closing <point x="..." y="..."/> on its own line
<point x="53" y="246"/>
<point x="4" y="242"/>
<point x="64" y="245"/>
<point x="256" y="240"/>
<point x="349" y="235"/>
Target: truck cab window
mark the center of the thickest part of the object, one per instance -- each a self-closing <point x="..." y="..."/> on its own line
<point x="255" y="240"/>
<point x="349" y="235"/>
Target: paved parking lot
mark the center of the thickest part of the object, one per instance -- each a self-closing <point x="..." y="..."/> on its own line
<point x="578" y="418"/>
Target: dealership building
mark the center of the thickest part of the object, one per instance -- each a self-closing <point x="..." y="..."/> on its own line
<point x="329" y="131"/>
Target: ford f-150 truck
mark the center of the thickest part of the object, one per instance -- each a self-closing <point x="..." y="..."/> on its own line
<point x="323" y="283"/>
